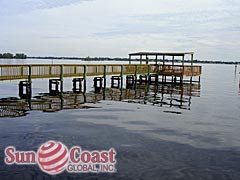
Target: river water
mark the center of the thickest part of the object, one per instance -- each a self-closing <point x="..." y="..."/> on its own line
<point x="185" y="134"/>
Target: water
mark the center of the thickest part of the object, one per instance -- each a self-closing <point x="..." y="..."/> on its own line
<point x="156" y="135"/>
<point x="55" y="61"/>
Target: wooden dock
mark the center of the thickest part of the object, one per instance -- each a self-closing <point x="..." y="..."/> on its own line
<point x="135" y="73"/>
<point x="15" y="72"/>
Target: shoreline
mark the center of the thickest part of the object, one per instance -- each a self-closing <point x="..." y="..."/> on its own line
<point x="126" y="59"/>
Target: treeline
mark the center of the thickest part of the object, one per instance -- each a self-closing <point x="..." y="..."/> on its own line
<point x="126" y="59"/>
<point x="12" y="56"/>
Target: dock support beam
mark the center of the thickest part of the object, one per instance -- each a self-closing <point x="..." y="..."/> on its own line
<point x="143" y="79"/>
<point x="105" y="76"/>
<point x="115" y="82"/>
<point x="191" y="59"/>
<point x="104" y="81"/>
<point x="61" y="79"/>
<point x="25" y="90"/>
<point x="98" y="84"/>
<point x="130" y="81"/>
<point x="181" y="79"/>
<point x="153" y="78"/>
<point x="77" y="85"/>
<point x="121" y="77"/>
<point x="85" y="78"/>
<point x="54" y="87"/>
<point x="135" y="74"/>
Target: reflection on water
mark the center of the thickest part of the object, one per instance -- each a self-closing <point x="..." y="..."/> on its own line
<point x="239" y="87"/>
<point x="169" y="95"/>
<point x="162" y="95"/>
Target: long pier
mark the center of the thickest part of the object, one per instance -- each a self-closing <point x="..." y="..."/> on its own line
<point x="143" y="73"/>
<point x="136" y="75"/>
<point x="15" y="72"/>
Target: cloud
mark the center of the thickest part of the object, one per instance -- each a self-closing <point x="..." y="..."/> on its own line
<point x="12" y="7"/>
<point x="71" y="27"/>
<point x="210" y="21"/>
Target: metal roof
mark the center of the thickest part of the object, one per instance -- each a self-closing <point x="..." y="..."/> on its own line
<point x="160" y="54"/>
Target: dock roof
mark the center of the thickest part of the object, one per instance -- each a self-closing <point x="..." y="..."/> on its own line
<point x="160" y="54"/>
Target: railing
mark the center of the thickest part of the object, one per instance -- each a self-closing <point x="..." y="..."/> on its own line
<point x="179" y="70"/>
<point x="12" y="72"/>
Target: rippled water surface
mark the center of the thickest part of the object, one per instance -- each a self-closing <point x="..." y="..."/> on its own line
<point x="159" y="132"/>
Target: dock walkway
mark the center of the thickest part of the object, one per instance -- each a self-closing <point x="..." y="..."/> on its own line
<point x="15" y="72"/>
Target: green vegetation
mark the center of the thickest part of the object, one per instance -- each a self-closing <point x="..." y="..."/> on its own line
<point x="11" y="56"/>
<point x="87" y="58"/>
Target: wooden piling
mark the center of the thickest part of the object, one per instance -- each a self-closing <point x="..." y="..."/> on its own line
<point x="121" y="85"/>
<point x="85" y="78"/>
<point x="135" y="74"/>
<point x="61" y="79"/>
<point x="116" y="82"/>
<point x="54" y="87"/>
<point x="25" y="86"/>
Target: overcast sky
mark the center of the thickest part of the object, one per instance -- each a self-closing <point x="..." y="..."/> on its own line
<point x="210" y="28"/>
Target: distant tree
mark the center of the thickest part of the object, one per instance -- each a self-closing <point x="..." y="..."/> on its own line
<point x="7" y="55"/>
<point x="20" y="56"/>
<point x="0" y="55"/>
<point x="87" y="59"/>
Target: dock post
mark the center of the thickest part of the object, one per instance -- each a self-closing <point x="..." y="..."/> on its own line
<point x="27" y="86"/>
<point x="105" y="75"/>
<point x="61" y="79"/>
<point x="143" y="79"/>
<point x="77" y="85"/>
<point x="135" y="74"/>
<point x="191" y="78"/>
<point x="181" y="79"/>
<point x="84" y="78"/>
<point x="148" y="70"/>
<point x="105" y="81"/>
<point x="53" y="87"/>
<point x="61" y="101"/>
<point x="113" y="83"/>
<point x="29" y="73"/>
<point x="30" y="86"/>
<point x="97" y="84"/>
<point x="130" y="59"/>
<point x="121" y="78"/>
<point x="30" y="81"/>
<point x="130" y="81"/>
<point x="183" y="59"/>
<point x="199" y="79"/>
<point x="153" y="78"/>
